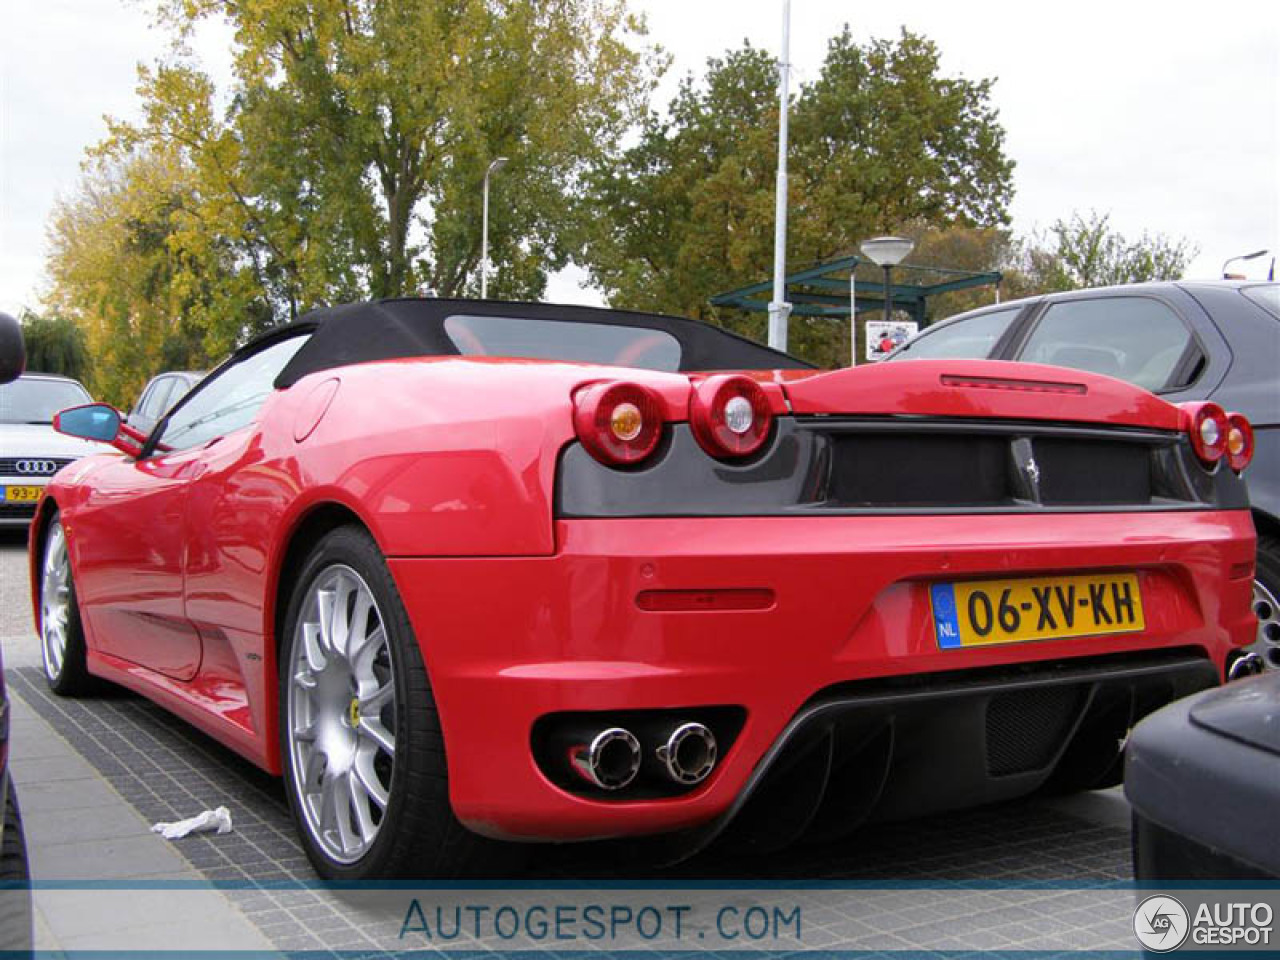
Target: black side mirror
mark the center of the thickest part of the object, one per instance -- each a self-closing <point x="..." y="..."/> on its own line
<point x="13" y="352"/>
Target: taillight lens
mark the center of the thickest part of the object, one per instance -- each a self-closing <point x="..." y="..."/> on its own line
<point x="1207" y="424"/>
<point x="730" y="415"/>
<point x="618" y="423"/>
<point x="1239" y="441"/>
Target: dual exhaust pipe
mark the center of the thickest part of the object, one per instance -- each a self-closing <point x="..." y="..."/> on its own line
<point x="611" y="759"/>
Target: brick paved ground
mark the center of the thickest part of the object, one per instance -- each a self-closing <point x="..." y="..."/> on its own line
<point x="165" y="770"/>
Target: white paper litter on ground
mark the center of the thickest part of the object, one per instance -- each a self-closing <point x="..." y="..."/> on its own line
<point x="211" y="820"/>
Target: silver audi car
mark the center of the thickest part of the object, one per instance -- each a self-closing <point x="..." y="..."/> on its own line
<point x="31" y="452"/>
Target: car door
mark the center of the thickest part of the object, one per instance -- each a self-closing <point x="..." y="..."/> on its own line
<point x="128" y="539"/>
<point x="139" y="540"/>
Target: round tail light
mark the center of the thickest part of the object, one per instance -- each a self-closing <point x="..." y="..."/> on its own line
<point x="730" y="415"/>
<point x="1239" y="441"/>
<point x="1208" y="426"/>
<point x="618" y="423"/>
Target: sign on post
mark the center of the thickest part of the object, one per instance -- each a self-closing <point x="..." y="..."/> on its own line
<point x="885" y="336"/>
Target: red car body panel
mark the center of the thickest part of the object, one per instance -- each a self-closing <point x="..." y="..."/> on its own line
<point x="451" y="463"/>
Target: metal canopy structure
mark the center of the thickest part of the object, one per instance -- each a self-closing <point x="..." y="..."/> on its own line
<point x="824" y="290"/>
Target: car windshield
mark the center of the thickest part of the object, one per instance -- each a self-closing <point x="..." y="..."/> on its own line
<point x="32" y="400"/>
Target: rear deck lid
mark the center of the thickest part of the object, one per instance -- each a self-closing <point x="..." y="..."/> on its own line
<point x="978" y="389"/>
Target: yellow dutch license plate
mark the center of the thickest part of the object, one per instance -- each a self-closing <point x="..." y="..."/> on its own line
<point x="21" y="494"/>
<point x="980" y="612"/>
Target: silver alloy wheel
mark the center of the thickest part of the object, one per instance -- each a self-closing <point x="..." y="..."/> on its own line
<point x="55" y="601"/>
<point x="1267" y="609"/>
<point x="341" y="714"/>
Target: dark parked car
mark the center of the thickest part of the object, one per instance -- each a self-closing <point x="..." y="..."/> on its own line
<point x="1217" y="341"/>
<point x="159" y="396"/>
<point x="1197" y="773"/>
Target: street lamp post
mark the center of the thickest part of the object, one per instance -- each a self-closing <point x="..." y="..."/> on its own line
<point x="887" y="252"/>
<point x="497" y="165"/>
<point x="1244" y="256"/>
<point x="779" y="308"/>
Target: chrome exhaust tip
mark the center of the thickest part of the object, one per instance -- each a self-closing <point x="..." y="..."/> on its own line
<point x="1245" y="665"/>
<point x="688" y="754"/>
<point x="609" y="761"/>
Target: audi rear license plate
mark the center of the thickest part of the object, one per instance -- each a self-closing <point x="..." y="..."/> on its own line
<point x="980" y="612"/>
<point x="20" y="494"/>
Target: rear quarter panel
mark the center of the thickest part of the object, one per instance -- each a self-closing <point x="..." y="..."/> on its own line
<point x="438" y="457"/>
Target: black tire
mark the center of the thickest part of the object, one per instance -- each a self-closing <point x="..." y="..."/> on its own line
<point x="15" y="895"/>
<point x="418" y="835"/>
<point x="1267" y="576"/>
<point x="72" y="679"/>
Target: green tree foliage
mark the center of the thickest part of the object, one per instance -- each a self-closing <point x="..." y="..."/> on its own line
<point x="880" y="139"/>
<point x="352" y="156"/>
<point x="345" y="161"/>
<point x="977" y="249"/>
<point x="1085" y="251"/>
<point x="126" y="267"/>
<point x="55" y="344"/>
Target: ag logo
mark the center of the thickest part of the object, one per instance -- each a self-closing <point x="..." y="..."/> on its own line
<point x="1161" y="923"/>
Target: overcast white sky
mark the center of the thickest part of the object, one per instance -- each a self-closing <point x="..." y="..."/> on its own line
<point x="1163" y="114"/>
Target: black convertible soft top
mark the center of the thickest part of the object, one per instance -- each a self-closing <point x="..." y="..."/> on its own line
<point x="390" y="329"/>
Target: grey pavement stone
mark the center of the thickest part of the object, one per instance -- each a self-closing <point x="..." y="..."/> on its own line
<point x="73" y="913"/>
<point x="69" y="826"/>
<point x="87" y="794"/>
<point x="51" y="769"/>
<point x="114" y="859"/>
<point x="182" y="934"/>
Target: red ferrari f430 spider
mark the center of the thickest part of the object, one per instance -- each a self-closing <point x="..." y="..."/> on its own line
<point x="476" y="571"/>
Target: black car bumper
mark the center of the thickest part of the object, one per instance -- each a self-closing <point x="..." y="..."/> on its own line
<point x="1198" y="791"/>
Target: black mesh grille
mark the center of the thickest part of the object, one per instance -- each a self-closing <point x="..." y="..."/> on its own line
<point x="969" y="466"/>
<point x="1092" y="471"/>
<point x="1026" y="728"/>
<point x="17" y="511"/>
<point x="884" y="469"/>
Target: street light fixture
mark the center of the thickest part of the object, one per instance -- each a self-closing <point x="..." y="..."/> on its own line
<point x="887" y="252"/>
<point x="494" y="167"/>
<point x="1244" y="256"/>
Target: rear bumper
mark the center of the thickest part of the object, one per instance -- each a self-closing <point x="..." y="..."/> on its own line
<point x="509" y="640"/>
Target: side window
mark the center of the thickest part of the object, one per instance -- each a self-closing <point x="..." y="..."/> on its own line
<point x="1265" y="295"/>
<point x="972" y="338"/>
<point x="230" y="400"/>
<point x="140" y="408"/>
<point x="154" y="404"/>
<point x="1133" y="338"/>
